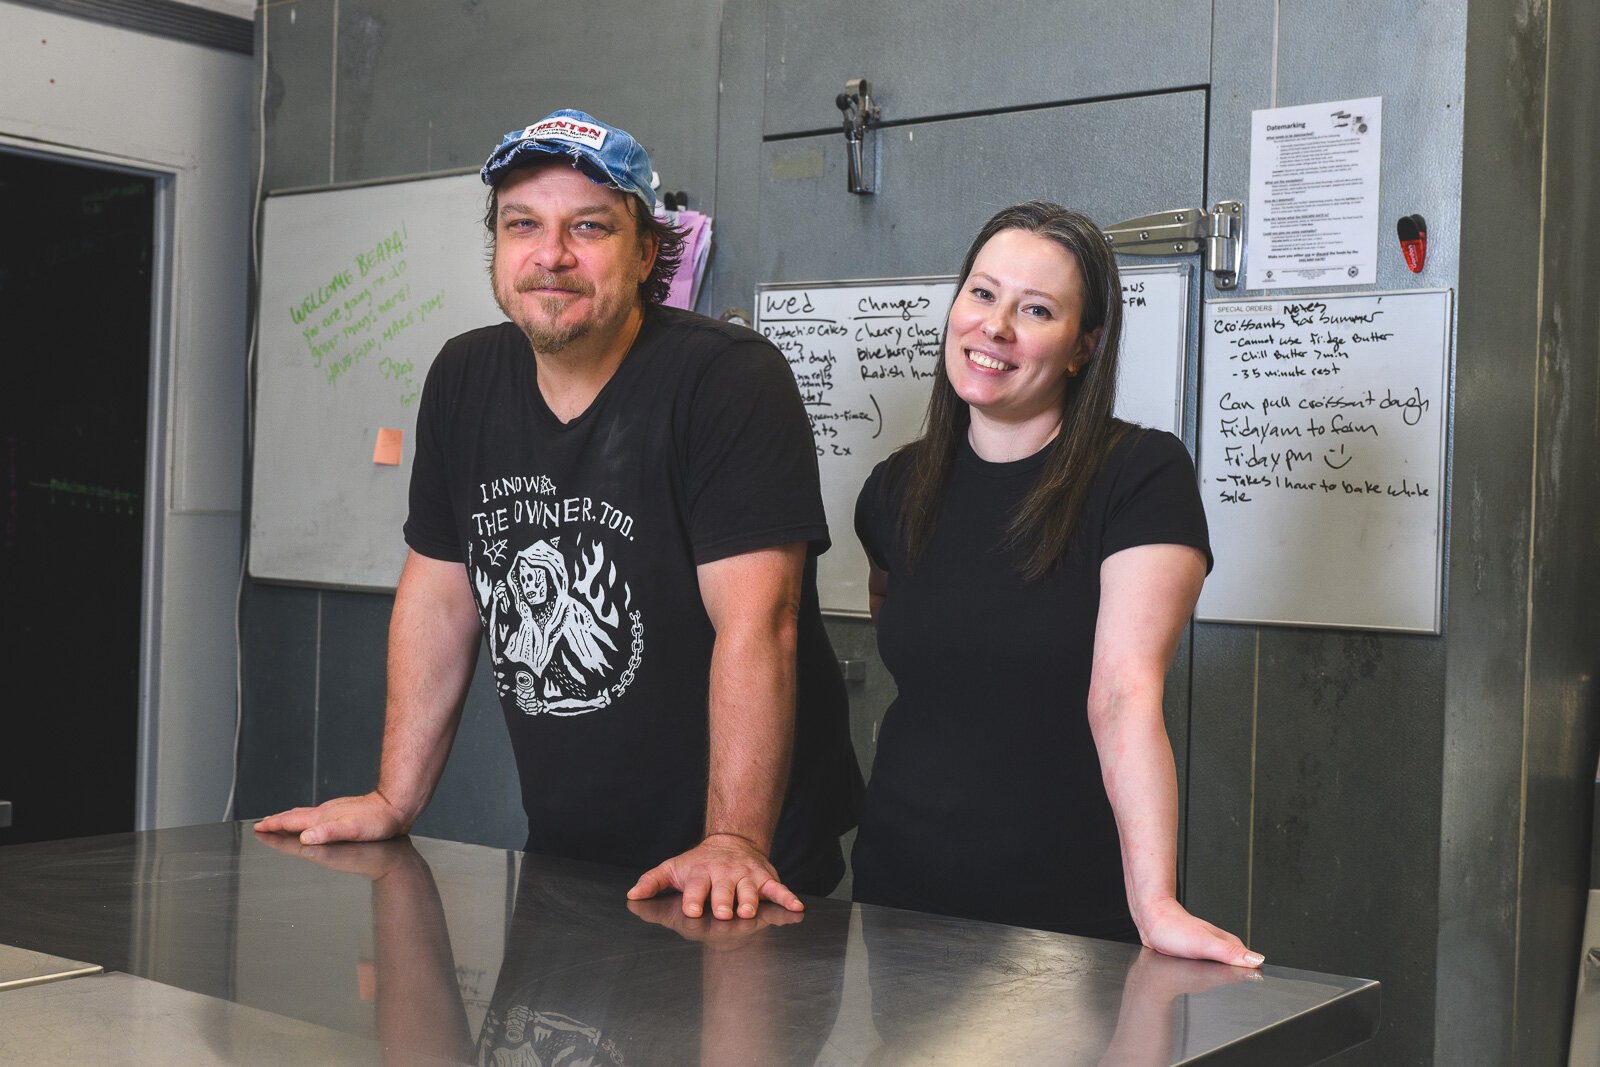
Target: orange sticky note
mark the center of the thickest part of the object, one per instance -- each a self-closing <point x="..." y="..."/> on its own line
<point x="387" y="450"/>
<point x="367" y="980"/>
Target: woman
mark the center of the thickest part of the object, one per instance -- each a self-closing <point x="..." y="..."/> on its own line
<point x="1034" y="563"/>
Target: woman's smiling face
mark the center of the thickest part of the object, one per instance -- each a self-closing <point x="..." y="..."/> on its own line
<point x="1013" y="338"/>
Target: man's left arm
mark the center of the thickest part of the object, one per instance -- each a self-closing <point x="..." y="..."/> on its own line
<point x="753" y="601"/>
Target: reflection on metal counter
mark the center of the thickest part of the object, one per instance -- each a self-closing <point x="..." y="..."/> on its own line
<point x="459" y="953"/>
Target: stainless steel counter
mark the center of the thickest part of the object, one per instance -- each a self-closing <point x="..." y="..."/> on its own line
<point x="455" y="953"/>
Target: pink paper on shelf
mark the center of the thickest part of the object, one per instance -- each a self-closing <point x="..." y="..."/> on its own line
<point x="691" y="269"/>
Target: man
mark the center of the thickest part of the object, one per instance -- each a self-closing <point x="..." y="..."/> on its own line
<point x="623" y="499"/>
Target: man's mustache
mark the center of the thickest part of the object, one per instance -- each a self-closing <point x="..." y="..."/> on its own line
<point x="529" y="282"/>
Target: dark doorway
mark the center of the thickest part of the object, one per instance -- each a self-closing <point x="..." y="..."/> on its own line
<point x="76" y="252"/>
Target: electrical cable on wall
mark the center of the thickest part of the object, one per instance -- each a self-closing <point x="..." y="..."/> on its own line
<point x="249" y="410"/>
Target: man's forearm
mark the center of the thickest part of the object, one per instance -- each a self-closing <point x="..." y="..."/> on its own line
<point x="752" y="730"/>
<point x="433" y="644"/>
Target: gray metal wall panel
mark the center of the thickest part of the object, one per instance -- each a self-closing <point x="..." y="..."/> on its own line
<point x="950" y="57"/>
<point x="426" y="86"/>
<point x="1348" y="754"/>
<point x="941" y="180"/>
<point x="298" y="104"/>
<point x="1243" y="65"/>
<point x="178" y="21"/>
<point x="277" y="738"/>
<point x="1412" y="55"/>
<point x="1490" y="526"/>
<point x="350" y="690"/>
<point x="1563" y="719"/>
<point x="479" y="798"/>
<point x="733" y="270"/>
<point x="1220" y="793"/>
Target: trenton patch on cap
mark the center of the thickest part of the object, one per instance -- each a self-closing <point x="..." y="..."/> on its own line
<point x="559" y="129"/>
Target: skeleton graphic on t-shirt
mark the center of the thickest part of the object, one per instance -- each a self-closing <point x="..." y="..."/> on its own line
<point x="527" y="1038"/>
<point x="547" y="642"/>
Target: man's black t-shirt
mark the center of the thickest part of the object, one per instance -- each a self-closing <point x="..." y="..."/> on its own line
<point x="581" y="542"/>
<point x="986" y="799"/>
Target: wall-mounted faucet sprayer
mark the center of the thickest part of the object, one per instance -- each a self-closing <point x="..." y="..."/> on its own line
<point x="860" y="113"/>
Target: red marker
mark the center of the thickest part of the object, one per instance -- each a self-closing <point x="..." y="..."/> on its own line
<point x="1413" y="230"/>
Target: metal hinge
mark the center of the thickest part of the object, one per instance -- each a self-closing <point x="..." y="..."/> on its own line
<point x="1183" y="232"/>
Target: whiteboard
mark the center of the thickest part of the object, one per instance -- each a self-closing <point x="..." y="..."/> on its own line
<point x="1322" y="448"/>
<point x="863" y="353"/>
<point x="359" y="289"/>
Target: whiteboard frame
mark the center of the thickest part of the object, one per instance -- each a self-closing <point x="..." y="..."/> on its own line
<point x="1447" y="379"/>
<point x="841" y="283"/>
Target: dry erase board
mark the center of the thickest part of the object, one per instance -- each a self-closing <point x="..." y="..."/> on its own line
<point x="1322" y="447"/>
<point x="863" y="353"/>
<point x="359" y="289"/>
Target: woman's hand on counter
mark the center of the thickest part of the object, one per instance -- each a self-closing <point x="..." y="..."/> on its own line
<point x="1167" y="927"/>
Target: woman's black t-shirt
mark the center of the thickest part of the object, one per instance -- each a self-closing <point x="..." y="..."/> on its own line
<point x="986" y="799"/>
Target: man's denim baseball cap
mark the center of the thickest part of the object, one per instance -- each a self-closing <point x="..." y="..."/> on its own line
<point x="605" y="154"/>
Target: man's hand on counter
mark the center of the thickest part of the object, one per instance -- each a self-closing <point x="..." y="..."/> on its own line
<point x="364" y="818"/>
<point x="727" y="869"/>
